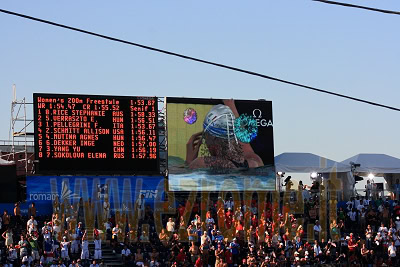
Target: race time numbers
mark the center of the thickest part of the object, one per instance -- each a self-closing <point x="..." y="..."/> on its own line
<point x="96" y="134"/>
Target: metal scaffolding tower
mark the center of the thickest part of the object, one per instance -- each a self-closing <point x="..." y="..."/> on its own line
<point x="19" y="135"/>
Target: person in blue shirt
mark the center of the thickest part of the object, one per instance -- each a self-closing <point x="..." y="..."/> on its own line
<point x="219" y="236"/>
<point x="235" y="249"/>
<point x="79" y="231"/>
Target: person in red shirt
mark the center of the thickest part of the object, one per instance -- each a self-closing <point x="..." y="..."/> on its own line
<point x="352" y="244"/>
<point x="199" y="262"/>
<point x="228" y="218"/>
<point x="254" y="221"/>
<point x="181" y="257"/>
<point x="229" y="257"/>
<point x="239" y="226"/>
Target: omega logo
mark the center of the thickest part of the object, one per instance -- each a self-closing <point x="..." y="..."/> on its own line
<point x="257" y="114"/>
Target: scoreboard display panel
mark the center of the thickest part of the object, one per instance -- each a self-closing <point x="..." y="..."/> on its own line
<point x="96" y="134"/>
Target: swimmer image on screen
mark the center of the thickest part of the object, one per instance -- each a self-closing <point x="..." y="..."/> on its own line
<point x="219" y="136"/>
<point x="228" y="147"/>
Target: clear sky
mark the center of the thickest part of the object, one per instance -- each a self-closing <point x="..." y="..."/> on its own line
<point x="345" y="50"/>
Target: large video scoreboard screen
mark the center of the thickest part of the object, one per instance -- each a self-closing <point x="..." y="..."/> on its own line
<point x="96" y="134"/>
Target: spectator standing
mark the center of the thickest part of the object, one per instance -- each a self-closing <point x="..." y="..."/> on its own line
<point x="392" y="253"/>
<point x="64" y="248"/>
<point x="352" y="218"/>
<point x="317" y="230"/>
<point x="85" y="248"/>
<point x="235" y="249"/>
<point x="97" y="248"/>
<point x="194" y="252"/>
<point x="31" y="225"/>
<point x="23" y="247"/>
<point x="6" y="220"/>
<point x="34" y="246"/>
<point x="12" y="255"/>
<point x="17" y="214"/>
<point x="115" y="232"/>
<point x="229" y="203"/>
<point x="140" y="206"/>
<point x="106" y="209"/>
<point x="32" y="210"/>
<point x="170" y="226"/>
<point x="8" y="236"/>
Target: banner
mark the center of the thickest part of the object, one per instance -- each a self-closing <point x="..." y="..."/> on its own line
<point x="120" y="192"/>
<point x="220" y="145"/>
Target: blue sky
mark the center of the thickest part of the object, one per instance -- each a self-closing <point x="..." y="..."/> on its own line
<point x="345" y="50"/>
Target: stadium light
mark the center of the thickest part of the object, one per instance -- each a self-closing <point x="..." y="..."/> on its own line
<point x="314" y="175"/>
<point x="371" y="176"/>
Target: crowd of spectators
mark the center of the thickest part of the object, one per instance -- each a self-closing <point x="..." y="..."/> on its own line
<point x="219" y="232"/>
<point x="41" y="241"/>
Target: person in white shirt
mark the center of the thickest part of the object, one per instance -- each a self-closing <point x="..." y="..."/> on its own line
<point x="85" y="248"/>
<point x="357" y="202"/>
<point x="317" y="248"/>
<point x="352" y="215"/>
<point x="125" y="253"/>
<point x="317" y="230"/>
<point x="47" y="227"/>
<point x="115" y="231"/>
<point x="392" y="251"/>
<point x="365" y="202"/>
<point x="360" y="207"/>
<point x="97" y="248"/>
<point x="47" y="235"/>
<point x="205" y="239"/>
<point x="31" y="225"/>
<point x="229" y="204"/>
<point x="25" y="262"/>
<point x="140" y="206"/>
<point x="349" y="205"/>
<point x="75" y="244"/>
<point x="170" y="225"/>
<point x="12" y="254"/>
<point x="383" y="229"/>
<point x="397" y="223"/>
<point x="64" y="248"/>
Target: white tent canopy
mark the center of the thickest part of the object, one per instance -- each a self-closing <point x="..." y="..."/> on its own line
<point x="377" y="164"/>
<point x="308" y="163"/>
